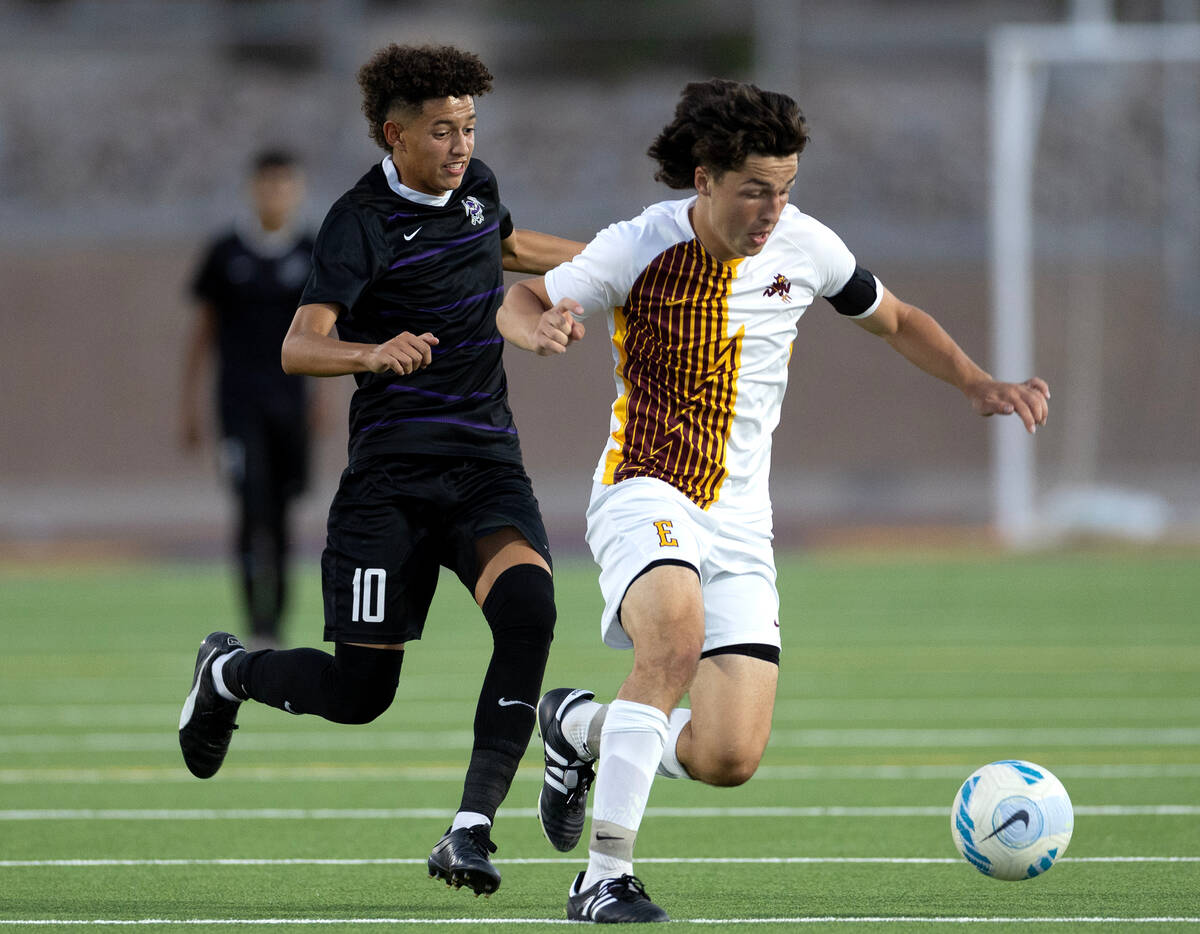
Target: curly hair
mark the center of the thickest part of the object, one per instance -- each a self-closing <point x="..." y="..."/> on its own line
<point x="719" y="123"/>
<point x="406" y="75"/>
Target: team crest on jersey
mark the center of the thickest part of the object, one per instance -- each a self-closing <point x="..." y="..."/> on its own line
<point x="474" y="208"/>
<point x="781" y="287"/>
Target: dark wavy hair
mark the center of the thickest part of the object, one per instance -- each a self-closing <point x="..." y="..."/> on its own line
<point x="268" y="159"/>
<point x="407" y="75"/>
<point x="719" y="123"/>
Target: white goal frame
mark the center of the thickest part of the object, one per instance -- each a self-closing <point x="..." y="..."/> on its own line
<point x="1018" y="56"/>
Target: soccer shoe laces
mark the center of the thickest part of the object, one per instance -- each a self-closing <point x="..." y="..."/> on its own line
<point x="627" y="888"/>
<point x="481" y="840"/>
<point x="572" y="780"/>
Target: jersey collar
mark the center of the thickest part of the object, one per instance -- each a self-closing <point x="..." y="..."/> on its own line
<point x="268" y="244"/>
<point x="394" y="183"/>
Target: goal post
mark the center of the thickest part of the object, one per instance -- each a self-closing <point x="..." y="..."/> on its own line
<point x="1020" y="59"/>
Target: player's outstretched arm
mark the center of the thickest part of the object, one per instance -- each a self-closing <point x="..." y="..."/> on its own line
<point x="309" y="348"/>
<point x="536" y="253"/>
<point x="922" y="341"/>
<point x="197" y="358"/>
<point x="529" y="321"/>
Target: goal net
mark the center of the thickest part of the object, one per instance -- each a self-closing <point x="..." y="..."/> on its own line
<point x="1095" y="268"/>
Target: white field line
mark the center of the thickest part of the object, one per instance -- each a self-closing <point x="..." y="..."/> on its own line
<point x="376" y="740"/>
<point x="176" y="814"/>
<point x="486" y="923"/>
<point x="554" y="861"/>
<point x="119" y="775"/>
<point x="40" y="716"/>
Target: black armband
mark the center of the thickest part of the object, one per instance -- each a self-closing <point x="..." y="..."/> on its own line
<point x="858" y="296"/>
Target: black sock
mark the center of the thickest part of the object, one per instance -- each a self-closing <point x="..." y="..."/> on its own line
<point x="354" y="685"/>
<point x="520" y="610"/>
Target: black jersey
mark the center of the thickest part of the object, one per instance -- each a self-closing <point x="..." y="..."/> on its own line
<point x="254" y="292"/>
<point x="397" y="265"/>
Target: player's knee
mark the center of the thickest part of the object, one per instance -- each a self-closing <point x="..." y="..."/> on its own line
<point x="666" y="665"/>
<point x="362" y="703"/>
<point x="732" y="770"/>
<point x="726" y="767"/>
<point x="520" y="607"/>
<point x="365" y="682"/>
<point x="683" y="660"/>
<point x="672" y="647"/>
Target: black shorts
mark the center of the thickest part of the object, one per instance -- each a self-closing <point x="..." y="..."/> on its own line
<point x="265" y="456"/>
<point x="396" y="520"/>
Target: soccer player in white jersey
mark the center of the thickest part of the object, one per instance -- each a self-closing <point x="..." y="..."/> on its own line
<point x="702" y="298"/>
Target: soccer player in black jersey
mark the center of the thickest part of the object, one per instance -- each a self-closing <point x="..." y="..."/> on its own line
<point x="409" y="267"/>
<point x="247" y="289"/>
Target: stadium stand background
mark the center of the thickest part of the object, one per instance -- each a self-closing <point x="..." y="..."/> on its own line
<point x="125" y="128"/>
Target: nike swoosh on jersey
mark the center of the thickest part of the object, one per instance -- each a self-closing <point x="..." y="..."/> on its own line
<point x="409" y="236"/>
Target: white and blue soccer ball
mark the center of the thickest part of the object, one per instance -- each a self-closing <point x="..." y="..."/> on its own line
<point x="1012" y="819"/>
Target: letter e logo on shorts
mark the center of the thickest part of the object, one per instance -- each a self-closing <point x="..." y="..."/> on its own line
<point x="665" y="539"/>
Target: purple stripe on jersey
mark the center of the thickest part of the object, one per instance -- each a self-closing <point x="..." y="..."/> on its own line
<point x="438" y="351"/>
<point x="401" y="214"/>
<point x="428" y="253"/>
<point x="486" y="343"/>
<point x="446" y="421"/>
<point x="392" y="312"/>
<point x="399" y="387"/>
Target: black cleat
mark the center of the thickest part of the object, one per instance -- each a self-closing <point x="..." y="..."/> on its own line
<point x="612" y="901"/>
<point x="207" y="721"/>
<point x="461" y="858"/>
<point x="562" y="802"/>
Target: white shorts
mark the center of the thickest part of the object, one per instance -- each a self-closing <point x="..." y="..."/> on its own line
<point x="640" y="521"/>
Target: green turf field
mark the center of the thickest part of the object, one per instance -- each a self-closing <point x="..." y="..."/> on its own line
<point x="898" y="680"/>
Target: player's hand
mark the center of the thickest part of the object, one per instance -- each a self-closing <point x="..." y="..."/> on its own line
<point x="403" y="354"/>
<point x="558" y="328"/>
<point x="1029" y="401"/>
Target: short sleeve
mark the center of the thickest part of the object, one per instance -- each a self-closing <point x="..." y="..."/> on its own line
<point x="342" y="264"/>
<point x="833" y="262"/>
<point x="207" y="283"/>
<point x="600" y="277"/>
<point x="853" y="291"/>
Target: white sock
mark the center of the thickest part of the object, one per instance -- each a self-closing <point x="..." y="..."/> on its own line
<point x="219" y="680"/>
<point x="602" y="866"/>
<point x="670" y="766"/>
<point x="575" y="724"/>
<point x="469" y="819"/>
<point x="632" y="746"/>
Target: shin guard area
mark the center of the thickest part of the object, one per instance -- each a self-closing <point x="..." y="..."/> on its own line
<point x="520" y="611"/>
<point x="354" y="685"/>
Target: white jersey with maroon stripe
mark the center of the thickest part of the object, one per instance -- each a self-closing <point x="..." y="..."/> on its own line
<point x="701" y="347"/>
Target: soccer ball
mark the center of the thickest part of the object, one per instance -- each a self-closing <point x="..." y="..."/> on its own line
<point x="1011" y="820"/>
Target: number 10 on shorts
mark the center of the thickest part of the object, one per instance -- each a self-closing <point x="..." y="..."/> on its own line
<point x="367" y="595"/>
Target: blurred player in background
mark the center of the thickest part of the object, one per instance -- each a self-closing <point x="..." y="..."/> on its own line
<point x="702" y="298"/>
<point x="409" y="267"/>
<point x="247" y="289"/>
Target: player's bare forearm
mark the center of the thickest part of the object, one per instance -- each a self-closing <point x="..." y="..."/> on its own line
<point x="527" y="319"/>
<point x="536" y="253"/>
<point x="518" y="315"/>
<point x="925" y="343"/>
<point x="197" y="357"/>
<point x="316" y="355"/>
<point x="309" y="348"/>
